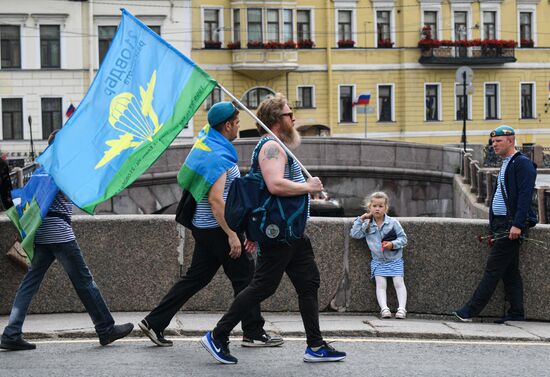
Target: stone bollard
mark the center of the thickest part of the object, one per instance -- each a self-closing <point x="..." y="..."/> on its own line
<point x="20" y="177"/>
<point x="466" y="168"/>
<point x="541" y="204"/>
<point x="473" y="176"/>
<point x="489" y="187"/>
<point x="538" y="155"/>
<point x="481" y="193"/>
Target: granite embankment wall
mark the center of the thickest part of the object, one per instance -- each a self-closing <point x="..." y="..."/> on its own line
<point x="135" y="259"/>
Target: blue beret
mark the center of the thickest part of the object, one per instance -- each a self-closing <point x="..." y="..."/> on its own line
<point x="220" y="112"/>
<point x="503" y="131"/>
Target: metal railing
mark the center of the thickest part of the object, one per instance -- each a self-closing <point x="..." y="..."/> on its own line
<point x="20" y="176"/>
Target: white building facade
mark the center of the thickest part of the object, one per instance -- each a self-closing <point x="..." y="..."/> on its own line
<point x="50" y="51"/>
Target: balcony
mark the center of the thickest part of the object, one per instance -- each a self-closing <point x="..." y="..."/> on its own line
<point x="264" y="64"/>
<point x="471" y="55"/>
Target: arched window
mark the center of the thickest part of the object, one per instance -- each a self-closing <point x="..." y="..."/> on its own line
<point x="254" y="96"/>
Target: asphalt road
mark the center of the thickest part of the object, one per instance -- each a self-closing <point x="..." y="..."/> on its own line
<point x="366" y="357"/>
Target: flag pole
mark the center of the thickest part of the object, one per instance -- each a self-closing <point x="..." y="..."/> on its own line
<point x="242" y="106"/>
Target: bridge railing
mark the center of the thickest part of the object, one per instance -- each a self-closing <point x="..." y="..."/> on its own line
<point x="482" y="178"/>
<point x="20" y="176"/>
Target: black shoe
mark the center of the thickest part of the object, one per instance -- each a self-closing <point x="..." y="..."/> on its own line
<point x="19" y="344"/>
<point x="118" y="332"/>
<point x="264" y="340"/>
<point x="156" y="337"/>
<point x="463" y="314"/>
<point x="508" y="317"/>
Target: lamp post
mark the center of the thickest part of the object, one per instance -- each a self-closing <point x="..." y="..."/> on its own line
<point x="32" y="143"/>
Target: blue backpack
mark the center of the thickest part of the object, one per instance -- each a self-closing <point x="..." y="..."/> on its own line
<point x="263" y="217"/>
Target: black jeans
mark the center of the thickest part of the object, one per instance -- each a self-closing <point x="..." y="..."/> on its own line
<point x="503" y="263"/>
<point x="298" y="261"/>
<point x="211" y="252"/>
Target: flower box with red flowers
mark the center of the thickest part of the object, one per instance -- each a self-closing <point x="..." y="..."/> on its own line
<point x="346" y="43"/>
<point x="385" y="43"/>
<point x="289" y="44"/>
<point x="212" y="44"/>
<point x="527" y="43"/>
<point x="234" y="45"/>
<point x="255" y="44"/>
<point x="272" y="45"/>
<point x="306" y="43"/>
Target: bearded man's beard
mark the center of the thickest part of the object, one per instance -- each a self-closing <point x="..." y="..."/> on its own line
<point x="291" y="137"/>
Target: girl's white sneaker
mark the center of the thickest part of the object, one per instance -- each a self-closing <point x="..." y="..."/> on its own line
<point x="401" y="313"/>
<point x="385" y="313"/>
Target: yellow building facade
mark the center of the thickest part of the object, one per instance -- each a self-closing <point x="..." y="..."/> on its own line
<point x="322" y="54"/>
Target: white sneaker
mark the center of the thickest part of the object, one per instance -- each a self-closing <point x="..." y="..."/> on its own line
<point x="385" y="313"/>
<point x="401" y="313"/>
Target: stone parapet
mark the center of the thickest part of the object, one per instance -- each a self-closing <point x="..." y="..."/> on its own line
<point x="136" y="259"/>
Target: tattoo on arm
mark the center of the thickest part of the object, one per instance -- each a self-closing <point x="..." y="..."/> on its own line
<point x="271" y="152"/>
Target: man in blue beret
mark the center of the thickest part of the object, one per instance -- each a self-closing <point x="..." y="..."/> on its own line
<point x="510" y="217"/>
<point x="216" y="245"/>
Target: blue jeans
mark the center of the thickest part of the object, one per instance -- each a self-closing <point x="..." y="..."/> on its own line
<point x="70" y="257"/>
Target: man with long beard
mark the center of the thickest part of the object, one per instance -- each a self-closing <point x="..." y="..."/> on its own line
<point x="293" y="257"/>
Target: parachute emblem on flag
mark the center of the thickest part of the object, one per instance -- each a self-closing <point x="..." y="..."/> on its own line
<point x="137" y="121"/>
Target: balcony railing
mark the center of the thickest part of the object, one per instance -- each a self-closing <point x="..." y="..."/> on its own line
<point x="473" y="55"/>
<point x="265" y="64"/>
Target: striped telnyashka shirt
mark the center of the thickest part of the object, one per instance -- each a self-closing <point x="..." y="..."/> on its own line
<point x="204" y="218"/>
<point x="499" y="206"/>
<point x="55" y="228"/>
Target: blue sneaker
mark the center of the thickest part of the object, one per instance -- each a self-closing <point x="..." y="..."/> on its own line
<point x="219" y="350"/>
<point x="323" y="354"/>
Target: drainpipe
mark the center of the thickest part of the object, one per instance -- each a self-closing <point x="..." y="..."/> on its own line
<point x="90" y="41"/>
<point x="329" y="61"/>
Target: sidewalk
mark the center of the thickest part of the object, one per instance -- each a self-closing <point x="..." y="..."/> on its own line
<point x="79" y="325"/>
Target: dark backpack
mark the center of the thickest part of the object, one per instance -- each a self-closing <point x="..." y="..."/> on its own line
<point x="263" y="217"/>
<point x="186" y="209"/>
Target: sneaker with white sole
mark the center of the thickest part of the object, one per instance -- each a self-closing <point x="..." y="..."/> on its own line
<point x="265" y="340"/>
<point x="385" y="313"/>
<point x="219" y="350"/>
<point x="156" y="337"/>
<point x="325" y="353"/>
<point x="401" y="313"/>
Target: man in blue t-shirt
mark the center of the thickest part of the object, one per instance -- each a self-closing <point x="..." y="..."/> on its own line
<point x="510" y="216"/>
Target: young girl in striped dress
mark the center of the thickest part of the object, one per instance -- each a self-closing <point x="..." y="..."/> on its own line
<point x="385" y="238"/>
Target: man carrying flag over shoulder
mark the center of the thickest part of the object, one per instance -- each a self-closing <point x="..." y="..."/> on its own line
<point x="207" y="173"/>
<point x="53" y="238"/>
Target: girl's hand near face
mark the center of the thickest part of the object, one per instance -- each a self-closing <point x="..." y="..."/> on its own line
<point x="366" y="216"/>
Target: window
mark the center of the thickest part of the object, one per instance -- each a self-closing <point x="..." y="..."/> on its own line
<point x="105" y="36"/>
<point x="12" y="118"/>
<point x="214" y="97"/>
<point x="430" y="19"/>
<point x="288" y="29"/>
<point x="255" y="25"/>
<point x="460" y="103"/>
<point x="273" y="25"/>
<point x="50" y="46"/>
<point x="385" y="103"/>
<point x="346" y="103"/>
<point x="212" y="25"/>
<point x="491" y="101"/>
<point x="344" y="25"/>
<point x="303" y="24"/>
<point x="527" y="101"/>
<point x="236" y="25"/>
<point x="461" y="26"/>
<point x="305" y="97"/>
<point x="155" y="28"/>
<point x="51" y="116"/>
<point x="383" y="27"/>
<point x="432" y="102"/>
<point x="489" y="25"/>
<point x="526" y="29"/>
<point x="254" y="96"/>
<point x="10" y="46"/>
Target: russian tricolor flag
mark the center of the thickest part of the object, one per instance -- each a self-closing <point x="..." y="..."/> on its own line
<point x="363" y="99"/>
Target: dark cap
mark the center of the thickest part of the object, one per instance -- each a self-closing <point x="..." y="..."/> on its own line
<point x="503" y="130"/>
